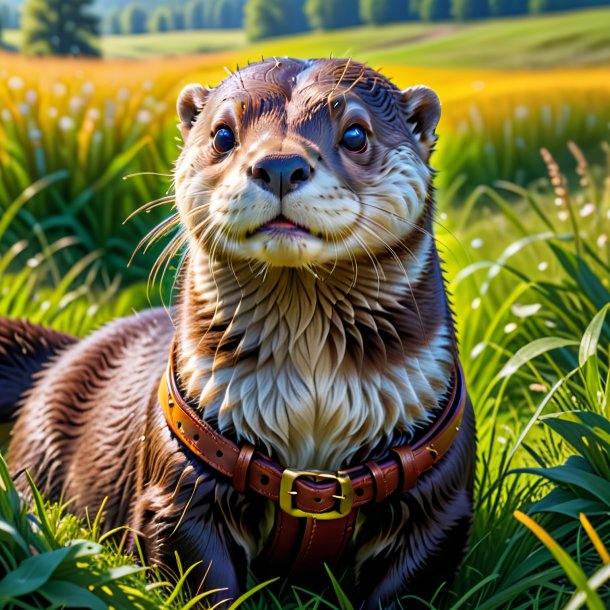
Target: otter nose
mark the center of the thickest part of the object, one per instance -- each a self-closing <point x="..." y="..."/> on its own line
<point x="281" y="174"/>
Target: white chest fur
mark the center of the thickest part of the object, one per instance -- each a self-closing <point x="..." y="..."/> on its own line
<point x="303" y="381"/>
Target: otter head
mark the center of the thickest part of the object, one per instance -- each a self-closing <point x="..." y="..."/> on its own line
<point x="303" y="163"/>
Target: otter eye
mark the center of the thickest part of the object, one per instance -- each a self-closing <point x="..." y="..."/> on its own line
<point x="354" y="138"/>
<point x="224" y="140"/>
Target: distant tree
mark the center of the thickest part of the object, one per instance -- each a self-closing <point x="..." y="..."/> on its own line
<point x="376" y="12"/>
<point x="462" y="10"/>
<point x="508" y="7"/>
<point x="331" y="14"/>
<point x="112" y="23"/>
<point x="538" y="6"/>
<point x="414" y="9"/>
<point x="59" y="27"/>
<point x="228" y="13"/>
<point x="209" y="14"/>
<point x="194" y="14"/>
<point x="434" y="10"/>
<point x="178" y="19"/>
<point x="133" y="19"/>
<point x="161" y="20"/>
<point x="6" y="16"/>
<point x="266" y="18"/>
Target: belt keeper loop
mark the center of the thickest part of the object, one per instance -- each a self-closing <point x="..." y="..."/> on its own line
<point x="409" y="469"/>
<point x="240" y="474"/>
<point x="381" y="486"/>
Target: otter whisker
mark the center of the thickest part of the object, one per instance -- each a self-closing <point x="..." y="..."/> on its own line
<point x="161" y="229"/>
<point x="150" y="205"/>
<point x="400" y="264"/>
<point x="372" y="258"/>
<point x="134" y="174"/>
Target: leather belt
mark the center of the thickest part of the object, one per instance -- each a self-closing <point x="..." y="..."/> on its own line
<point x="317" y="509"/>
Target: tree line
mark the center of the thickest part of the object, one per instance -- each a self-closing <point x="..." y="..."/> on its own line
<point x="266" y="18"/>
<point x="196" y="15"/>
<point x="70" y="27"/>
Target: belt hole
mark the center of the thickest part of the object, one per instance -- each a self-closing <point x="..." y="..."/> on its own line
<point x="196" y="437"/>
<point x="219" y="453"/>
<point x="179" y="424"/>
<point x="264" y="479"/>
<point x="359" y="491"/>
<point x="318" y="500"/>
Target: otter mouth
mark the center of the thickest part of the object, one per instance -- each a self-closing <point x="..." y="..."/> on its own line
<point x="282" y="226"/>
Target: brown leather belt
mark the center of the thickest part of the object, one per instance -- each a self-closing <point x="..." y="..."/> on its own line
<point x="318" y="509"/>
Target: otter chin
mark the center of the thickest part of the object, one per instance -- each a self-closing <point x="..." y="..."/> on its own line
<point x="312" y="407"/>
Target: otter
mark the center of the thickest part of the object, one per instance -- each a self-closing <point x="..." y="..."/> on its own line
<point x="312" y="334"/>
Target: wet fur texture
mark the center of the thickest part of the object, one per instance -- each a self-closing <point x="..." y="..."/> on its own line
<point x="320" y="364"/>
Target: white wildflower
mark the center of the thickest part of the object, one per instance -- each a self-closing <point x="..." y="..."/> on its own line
<point x="76" y="104"/>
<point x="477" y="349"/>
<point x="524" y="311"/>
<point x="59" y="89"/>
<point x="144" y="116"/>
<point x="66" y="123"/>
<point x="15" y="83"/>
<point x="522" y="112"/>
<point x="587" y="210"/>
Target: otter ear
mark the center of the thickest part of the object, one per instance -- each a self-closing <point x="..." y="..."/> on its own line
<point x="423" y="113"/>
<point x="190" y="104"/>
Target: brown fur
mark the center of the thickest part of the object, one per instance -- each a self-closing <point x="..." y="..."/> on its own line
<point x="320" y="364"/>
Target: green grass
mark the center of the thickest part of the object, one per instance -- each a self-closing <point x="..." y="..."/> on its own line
<point x="187" y="42"/>
<point x="559" y="40"/>
<point x="547" y="41"/>
<point x="10" y="39"/>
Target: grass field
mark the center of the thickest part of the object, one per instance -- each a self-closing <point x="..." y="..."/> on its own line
<point x="172" y="43"/>
<point x="527" y="249"/>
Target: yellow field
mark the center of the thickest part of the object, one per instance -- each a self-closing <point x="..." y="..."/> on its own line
<point x="163" y="78"/>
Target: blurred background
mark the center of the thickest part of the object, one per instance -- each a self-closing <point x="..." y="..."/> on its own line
<point x="88" y="137"/>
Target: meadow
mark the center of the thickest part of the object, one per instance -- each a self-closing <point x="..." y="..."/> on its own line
<point x="523" y="224"/>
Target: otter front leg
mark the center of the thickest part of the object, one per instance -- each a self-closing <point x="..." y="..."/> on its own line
<point x="193" y="528"/>
<point x="412" y="544"/>
<point x="425" y="554"/>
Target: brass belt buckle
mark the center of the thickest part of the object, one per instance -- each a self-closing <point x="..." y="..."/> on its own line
<point x="346" y="499"/>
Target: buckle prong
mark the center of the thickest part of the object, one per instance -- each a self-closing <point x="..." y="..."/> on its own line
<point x="346" y="498"/>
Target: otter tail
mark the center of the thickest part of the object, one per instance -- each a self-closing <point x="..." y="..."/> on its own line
<point x="24" y="350"/>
